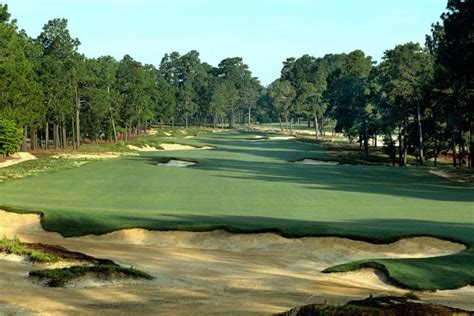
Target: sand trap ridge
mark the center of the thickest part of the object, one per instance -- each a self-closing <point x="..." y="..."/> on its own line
<point x="198" y="272"/>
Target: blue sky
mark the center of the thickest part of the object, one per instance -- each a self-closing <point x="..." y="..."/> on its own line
<point x="263" y="32"/>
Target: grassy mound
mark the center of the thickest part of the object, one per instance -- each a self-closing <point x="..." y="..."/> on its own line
<point x="380" y="306"/>
<point x="14" y="246"/>
<point x="60" y="277"/>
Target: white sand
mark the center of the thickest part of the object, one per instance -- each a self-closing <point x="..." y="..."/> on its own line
<point x="189" y="136"/>
<point x="166" y="147"/>
<point x="281" y="137"/>
<point x="308" y="161"/>
<point x="177" y="163"/>
<point x="181" y="147"/>
<point x="17" y="158"/>
<point x="167" y="134"/>
<point x="91" y="156"/>
<point x="145" y="148"/>
<point x="212" y="272"/>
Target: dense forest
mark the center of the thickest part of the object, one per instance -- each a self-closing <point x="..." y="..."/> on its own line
<point x="418" y="98"/>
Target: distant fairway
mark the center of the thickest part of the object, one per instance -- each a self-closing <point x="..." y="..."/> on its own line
<point x="244" y="185"/>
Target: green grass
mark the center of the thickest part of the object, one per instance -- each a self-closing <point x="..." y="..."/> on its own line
<point x="60" y="277"/>
<point x="245" y="186"/>
<point x="14" y="246"/>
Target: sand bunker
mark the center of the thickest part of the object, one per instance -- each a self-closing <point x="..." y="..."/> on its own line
<point x="189" y="136"/>
<point x="217" y="271"/>
<point x="17" y="158"/>
<point x="91" y="156"/>
<point x="281" y="137"/>
<point x="308" y="161"/>
<point x="181" y="147"/>
<point x="167" y="134"/>
<point x="177" y="163"/>
<point x="167" y="147"/>
<point x="145" y="148"/>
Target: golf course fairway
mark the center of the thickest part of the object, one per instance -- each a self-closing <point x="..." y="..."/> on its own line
<point x="244" y="184"/>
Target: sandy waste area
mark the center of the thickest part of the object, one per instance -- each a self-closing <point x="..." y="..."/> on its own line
<point x="17" y="158"/>
<point x="209" y="272"/>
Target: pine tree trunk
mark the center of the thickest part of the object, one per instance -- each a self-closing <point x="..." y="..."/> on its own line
<point x="420" y="135"/>
<point x="316" y="126"/>
<point x="405" y="145"/>
<point x="73" y="133"/>
<point x="114" y="130"/>
<point x="25" y="139"/>
<point x="366" y="141"/>
<point x="400" y="147"/>
<point x="471" y="144"/>
<point x="321" y="127"/>
<point x="249" y="114"/>
<point x="55" y="136"/>
<point x="34" y="143"/>
<point x="281" y="125"/>
<point x="46" y="136"/>
<point x="64" y="135"/>
<point x="78" y="121"/>
<point x="454" y="148"/>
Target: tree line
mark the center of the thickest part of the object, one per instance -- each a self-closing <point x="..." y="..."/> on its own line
<point x="419" y="98"/>
<point x="59" y="97"/>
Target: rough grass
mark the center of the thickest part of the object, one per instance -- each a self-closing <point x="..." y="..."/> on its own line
<point x="14" y="246"/>
<point x="246" y="186"/>
<point x="60" y="277"/>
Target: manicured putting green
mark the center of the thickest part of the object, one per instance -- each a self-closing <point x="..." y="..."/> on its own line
<point x="243" y="185"/>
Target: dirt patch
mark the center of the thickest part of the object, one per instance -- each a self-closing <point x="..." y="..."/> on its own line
<point x="309" y="161"/>
<point x="446" y="175"/>
<point x="217" y="271"/>
<point x="17" y="158"/>
<point x="177" y="163"/>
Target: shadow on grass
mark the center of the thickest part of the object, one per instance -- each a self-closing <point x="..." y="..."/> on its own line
<point x="405" y="182"/>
